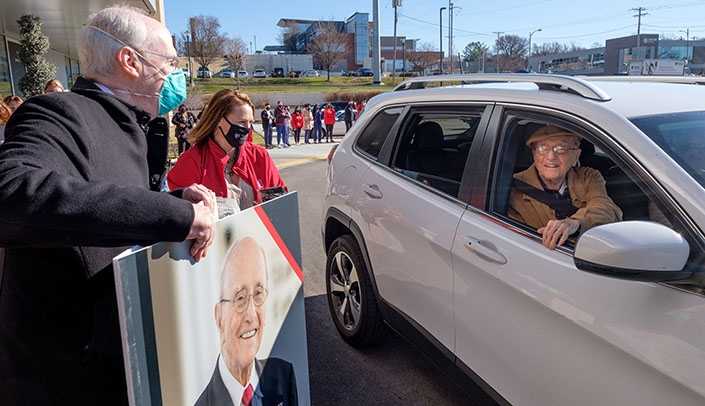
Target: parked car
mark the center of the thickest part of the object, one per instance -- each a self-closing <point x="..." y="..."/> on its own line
<point x="226" y="73"/>
<point x="186" y="72"/>
<point x="204" y="72"/>
<point x="310" y="73"/>
<point x="242" y="74"/>
<point x="259" y="73"/>
<point x="419" y="238"/>
<point x="363" y="72"/>
<point x="278" y="73"/>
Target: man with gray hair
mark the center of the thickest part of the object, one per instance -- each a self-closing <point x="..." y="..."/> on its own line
<point x="74" y="193"/>
<point x="239" y="378"/>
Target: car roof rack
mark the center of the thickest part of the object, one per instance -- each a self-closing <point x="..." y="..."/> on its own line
<point x="689" y="80"/>
<point x="556" y="83"/>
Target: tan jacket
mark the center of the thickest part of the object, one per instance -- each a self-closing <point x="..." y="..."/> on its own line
<point x="587" y="192"/>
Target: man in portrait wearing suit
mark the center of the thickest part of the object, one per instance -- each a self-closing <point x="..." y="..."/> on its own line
<point x="239" y="378"/>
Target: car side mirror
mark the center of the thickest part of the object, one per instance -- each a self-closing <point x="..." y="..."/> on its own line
<point x="634" y="250"/>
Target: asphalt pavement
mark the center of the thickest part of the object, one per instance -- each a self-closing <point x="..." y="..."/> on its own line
<point x="299" y="154"/>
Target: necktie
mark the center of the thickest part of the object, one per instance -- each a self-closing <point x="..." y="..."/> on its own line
<point x="247" y="396"/>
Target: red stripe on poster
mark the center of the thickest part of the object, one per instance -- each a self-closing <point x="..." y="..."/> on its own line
<point x="280" y="243"/>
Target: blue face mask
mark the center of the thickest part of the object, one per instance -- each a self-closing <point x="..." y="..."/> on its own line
<point x="173" y="91"/>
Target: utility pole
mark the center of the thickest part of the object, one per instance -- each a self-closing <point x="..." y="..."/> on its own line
<point x="687" y="45"/>
<point x="395" y="3"/>
<point x="376" y="46"/>
<point x="255" y="44"/>
<point x="450" y="35"/>
<point x="440" y="43"/>
<point x="640" y="12"/>
<point x="496" y="67"/>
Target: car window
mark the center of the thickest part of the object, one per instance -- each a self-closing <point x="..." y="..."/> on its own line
<point x="373" y="137"/>
<point x="434" y="147"/>
<point x="681" y="136"/>
<point x="632" y="191"/>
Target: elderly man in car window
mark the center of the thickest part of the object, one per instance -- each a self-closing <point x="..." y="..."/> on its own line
<point x="554" y="194"/>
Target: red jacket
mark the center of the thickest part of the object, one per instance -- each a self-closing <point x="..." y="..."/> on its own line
<point x="297" y="120"/>
<point x="205" y="164"/>
<point x="329" y="116"/>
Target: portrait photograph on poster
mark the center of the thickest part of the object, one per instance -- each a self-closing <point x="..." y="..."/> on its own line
<point x="226" y="328"/>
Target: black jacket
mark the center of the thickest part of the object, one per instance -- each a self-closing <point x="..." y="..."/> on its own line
<point x="74" y="192"/>
<point x="277" y="385"/>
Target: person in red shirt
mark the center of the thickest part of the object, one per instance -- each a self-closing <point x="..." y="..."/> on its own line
<point x="329" y="121"/>
<point x="223" y="157"/>
<point x="297" y="123"/>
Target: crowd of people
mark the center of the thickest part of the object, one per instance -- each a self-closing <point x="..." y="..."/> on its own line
<point x="316" y="122"/>
<point x="9" y="104"/>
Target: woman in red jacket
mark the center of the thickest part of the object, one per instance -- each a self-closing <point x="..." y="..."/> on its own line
<point x="223" y="157"/>
<point x="297" y="123"/>
<point x="329" y="121"/>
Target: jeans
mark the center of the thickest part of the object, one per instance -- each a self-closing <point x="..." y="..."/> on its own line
<point x="317" y="131"/>
<point x="307" y="133"/>
<point x="280" y="134"/>
<point x="267" y="135"/>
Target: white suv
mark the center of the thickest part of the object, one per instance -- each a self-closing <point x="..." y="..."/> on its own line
<point x="418" y="238"/>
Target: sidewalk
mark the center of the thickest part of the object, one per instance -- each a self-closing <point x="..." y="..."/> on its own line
<point x="299" y="154"/>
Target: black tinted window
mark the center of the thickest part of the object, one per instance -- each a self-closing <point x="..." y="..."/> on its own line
<point x="372" y="139"/>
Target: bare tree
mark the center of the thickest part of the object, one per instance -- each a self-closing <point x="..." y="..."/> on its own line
<point x="328" y="46"/>
<point x="206" y="39"/>
<point x="423" y="58"/>
<point x="511" y="50"/>
<point x="235" y="50"/>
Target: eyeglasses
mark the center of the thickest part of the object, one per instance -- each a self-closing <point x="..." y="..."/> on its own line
<point x="242" y="299"/>
<point x="557" y="149"/>
<point x="173" y="61"/>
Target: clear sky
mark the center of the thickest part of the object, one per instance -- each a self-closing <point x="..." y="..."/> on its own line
<point x="567" y="22"/>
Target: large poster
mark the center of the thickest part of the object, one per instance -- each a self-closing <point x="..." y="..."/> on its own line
<point x="191" y="329"/>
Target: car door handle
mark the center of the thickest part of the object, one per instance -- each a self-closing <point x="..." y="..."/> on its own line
<point x="372" y="191"/>
<point x="475" y="245"/>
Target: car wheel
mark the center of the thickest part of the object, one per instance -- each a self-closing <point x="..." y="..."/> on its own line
<point x="351" y="301"/>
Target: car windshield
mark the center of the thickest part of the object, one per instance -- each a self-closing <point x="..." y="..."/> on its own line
<point x="680" y="135"/>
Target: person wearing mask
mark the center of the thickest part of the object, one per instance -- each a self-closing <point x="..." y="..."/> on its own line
<point x="329" y="121"/>
<point x="308" y="123"/>
<point x="281" y="119"/>
<point x="349" y="115"/>
<point x="359" y="107"/>
<point x="577" y="194"/>
<point x="317" y="123"/>
<point x="223" y="157"/>
<point x="52" y="86"/>
<point x="183" y="122"/>
<point x="297" y="123"/>
<point x="267" y="123"/>
<point x="74" y="193"/>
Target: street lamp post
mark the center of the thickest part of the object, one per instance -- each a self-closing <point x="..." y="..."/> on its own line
<point x="188" y="51"/>
<point x="687" y="39"/>
<point x="528" y="58"/>
<point x="440" y="44"/>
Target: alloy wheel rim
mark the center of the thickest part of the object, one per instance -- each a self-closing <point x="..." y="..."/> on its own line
<point x="345" y="291"/>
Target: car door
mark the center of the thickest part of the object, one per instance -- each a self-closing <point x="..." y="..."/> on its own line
<point x="541" y="332"/>
<point x="409" y="216"/>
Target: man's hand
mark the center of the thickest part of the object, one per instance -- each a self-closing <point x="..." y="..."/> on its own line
<point x="557" y="232"/>
<point x="203" y="228"/>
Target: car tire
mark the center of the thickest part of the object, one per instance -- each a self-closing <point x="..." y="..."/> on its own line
<point x="351" y="300"/>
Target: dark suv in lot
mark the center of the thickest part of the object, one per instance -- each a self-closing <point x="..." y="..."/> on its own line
<point x="363" y="72"/>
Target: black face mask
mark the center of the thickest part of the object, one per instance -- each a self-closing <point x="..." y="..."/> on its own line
<point x="236" y="135"/>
